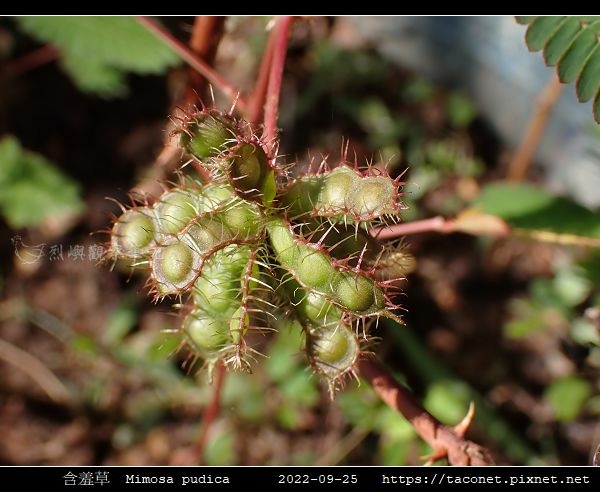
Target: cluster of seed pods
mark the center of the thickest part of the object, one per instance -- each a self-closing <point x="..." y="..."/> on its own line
<point x="255" y="243"/>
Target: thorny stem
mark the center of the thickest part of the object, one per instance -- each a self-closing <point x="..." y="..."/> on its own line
<point x="257" y="100"/>
<point x="447" y="442"/>
<point x="523" y="157"/>
<point x="212" y="410"/>
<point x="275" y="77"/>
<point x="196" y="63"/>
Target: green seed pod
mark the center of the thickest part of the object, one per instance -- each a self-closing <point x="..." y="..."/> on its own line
<point x="206" y="233"/>
<point x="302" y="195"/>
<point x="336" y="189"/>
<point x="174" y="210"/>
<point x="314" y="269"/>
<point x="333" y="350"/>
<point x="282" y="241"/>
<point x="313" y="307"/>
<point x="358" y="293"/>
<point x="217" y="289"/>
<point x="133" y="234"/>
<point x="208" y="134"/>
<point x="215" y="196"/>
<point x="249" y="171"/>
<point x="175" y="266"/>
<point x="342" y="193"/>
<point x="373" y="196"/>
<point x="208" y="336"/>
<point x="242" y="218"/>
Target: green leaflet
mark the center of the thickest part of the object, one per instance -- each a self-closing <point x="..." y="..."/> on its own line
<point x="571" y="43"/>
<point x="97" y="52"/>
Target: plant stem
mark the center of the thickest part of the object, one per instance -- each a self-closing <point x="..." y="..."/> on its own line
<point x="275" y="77"/>
<point x="469" y="221"/>
<point x="257" y="100"/>
<point x="37" y="371"/>
<point x="521" y="161"/>
<point x="34" y="59"/>
<point x="212" y="410"/>
<point x="204" y="41"/>
<point x="446" y="441"/>
<point x="193" y="61"/>
<point x="435" y="224"/>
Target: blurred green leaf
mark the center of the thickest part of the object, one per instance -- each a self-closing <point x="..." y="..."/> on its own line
<point x="584" y="332"/>
<point x="220" y="450"/>
<point x="418" y="91"/>
<point x="164" y="346"/>
<point x="528" y="318"/>
<point x="288" y="416"/>
<point x="567" y="396"/>
<point x="32" y="189"/>
<point x="593" y="405"/>
<point x="394" y="452"/>
<point x="84" y="344"/>
<point x="284" y="358"/>
<point x="121" y="321"/>
<point x="461" y="111"/>
<point x="448" y="400"/>
<point x="571" y="285"/>
<point x="530" y="208"/>
<point x="359" y="406"/>
<point x="97" y="51"/>
<point x="300" y="388"/>
<point x="244" y="395"/>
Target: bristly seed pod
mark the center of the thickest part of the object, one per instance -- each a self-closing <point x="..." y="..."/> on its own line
<point x="175" y="267"/>
<point x="206" y="334"/>
<point x="332" y="351"/>
<point x="250" y="174"/>
<point x="208" y="133"/>
<point x="174" y="210"/>
<point x="133" y="234"/>
<point x="343" y="194"/>
<point x="253" y="244"/>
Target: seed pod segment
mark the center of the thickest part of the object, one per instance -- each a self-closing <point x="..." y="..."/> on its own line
<point x="133" y="234"/>
<point x="208" y="133"/>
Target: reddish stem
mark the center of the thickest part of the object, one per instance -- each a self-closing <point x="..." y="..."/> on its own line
<point x="204" y="41"/>
<point x="34" y="59"/>
<point x="275" y="78"/>
<point x="257" y="101"/>
<point x="212" y="410"/>
<point x="447" y="442"/>
<point x="435" y="224"/>
<point x="193" y="61"/>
